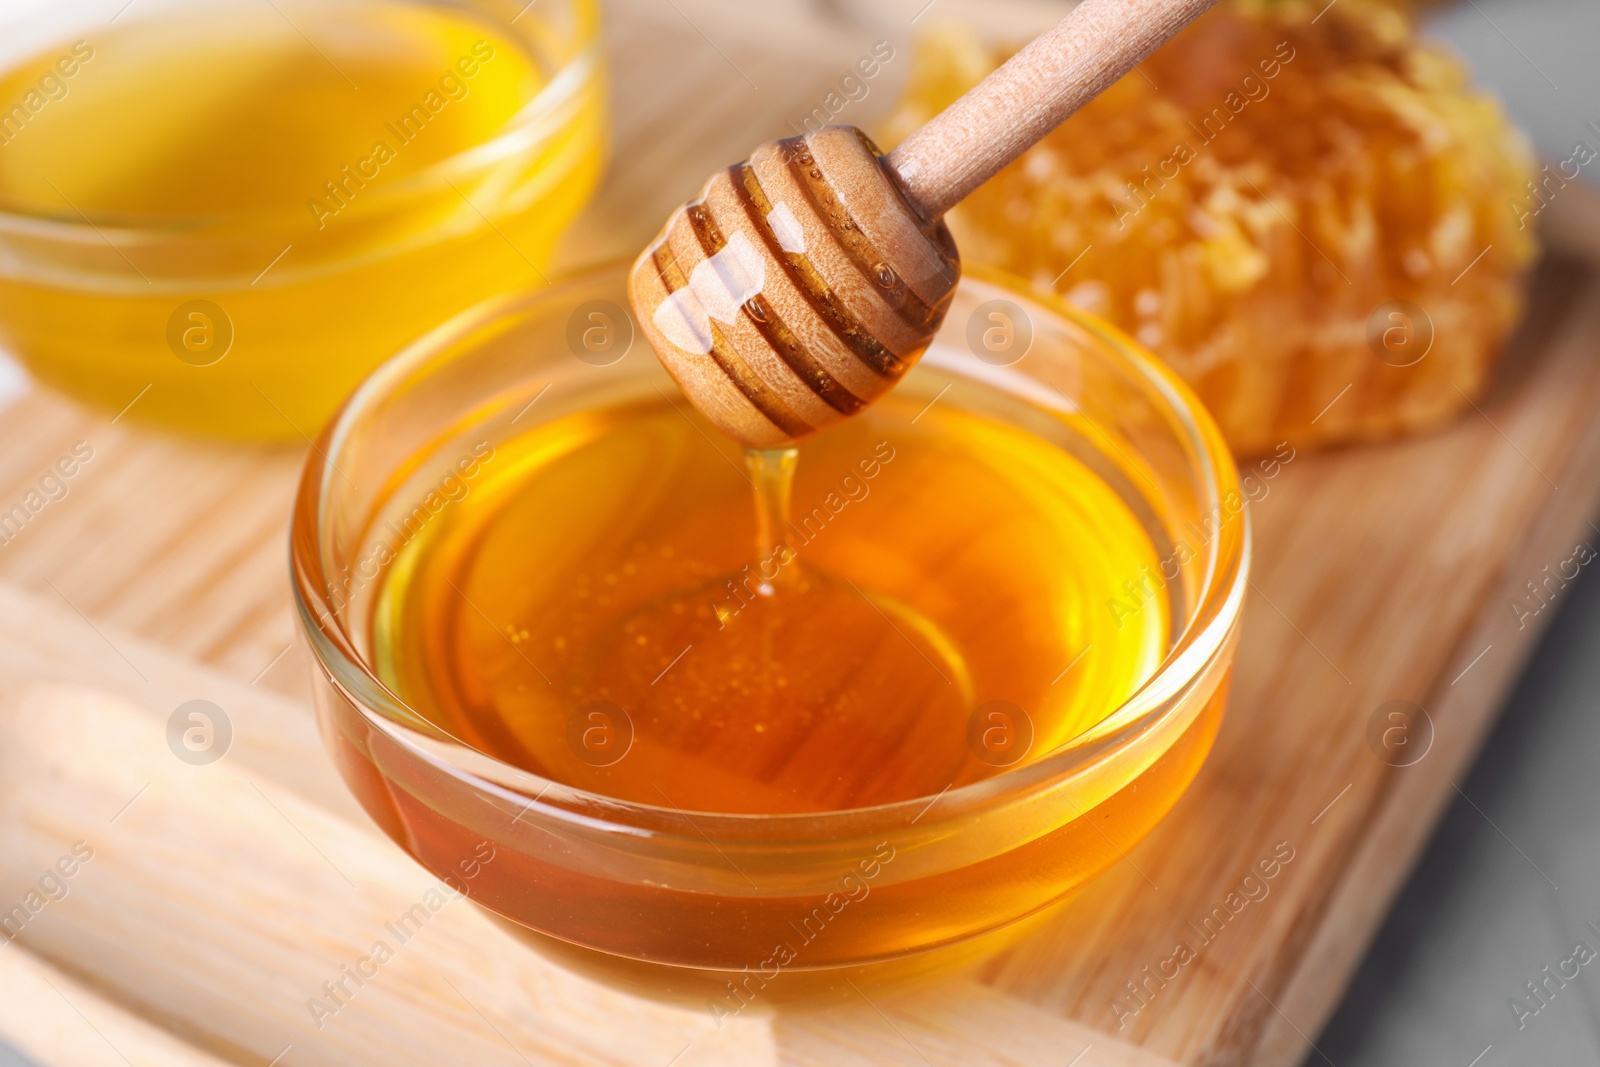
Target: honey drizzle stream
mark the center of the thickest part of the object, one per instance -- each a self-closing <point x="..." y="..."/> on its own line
<point x="772" y="475"/>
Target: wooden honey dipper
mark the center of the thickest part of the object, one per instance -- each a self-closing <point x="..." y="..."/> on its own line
<point x="805" y="281"/>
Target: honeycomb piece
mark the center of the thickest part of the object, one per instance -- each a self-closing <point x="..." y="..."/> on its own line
<point x="1286" y="206"/>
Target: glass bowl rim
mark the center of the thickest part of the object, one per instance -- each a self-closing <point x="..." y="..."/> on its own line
<point x="1204" y="639"/>
<point x="566" y="83"/>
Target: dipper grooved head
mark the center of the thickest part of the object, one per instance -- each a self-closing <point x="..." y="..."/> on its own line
<point x="797" y="289"/>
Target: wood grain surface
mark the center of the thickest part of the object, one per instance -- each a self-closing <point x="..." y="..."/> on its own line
<point x="219" y="898"/>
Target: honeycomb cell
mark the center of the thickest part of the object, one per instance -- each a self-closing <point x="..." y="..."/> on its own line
<point x="1305" y="210"/>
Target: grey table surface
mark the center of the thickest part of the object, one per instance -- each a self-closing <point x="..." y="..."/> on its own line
<point x="1505" y="890"/>
<point x="1511" y="879"/>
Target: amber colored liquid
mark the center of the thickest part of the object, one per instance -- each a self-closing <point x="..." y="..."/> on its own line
<point x="613" y="605"/>
<point x="230" y="151"/>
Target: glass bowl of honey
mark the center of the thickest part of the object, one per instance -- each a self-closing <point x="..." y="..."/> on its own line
<point x="222" y="214"/>
<point x="988" y="653"/>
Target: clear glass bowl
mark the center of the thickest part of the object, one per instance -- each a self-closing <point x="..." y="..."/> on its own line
<point x="291" y="315"/>
<point x="663" y="898"/>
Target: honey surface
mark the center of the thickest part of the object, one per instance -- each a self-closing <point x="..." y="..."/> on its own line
<point x="605" y="565"/>
<point x="282" y="196"/>
<point x="232" y="107"/>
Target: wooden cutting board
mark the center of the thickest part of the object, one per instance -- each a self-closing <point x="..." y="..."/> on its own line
<point x="219" y="898"/>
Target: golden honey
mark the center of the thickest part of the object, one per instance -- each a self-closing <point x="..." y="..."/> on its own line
<point x="246" y="206"/>
<point x="970" y="647"/>
<point x="936" y="606"/>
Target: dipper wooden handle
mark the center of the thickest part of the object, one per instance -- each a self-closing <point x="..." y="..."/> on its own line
<point x="805" y="281"/>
